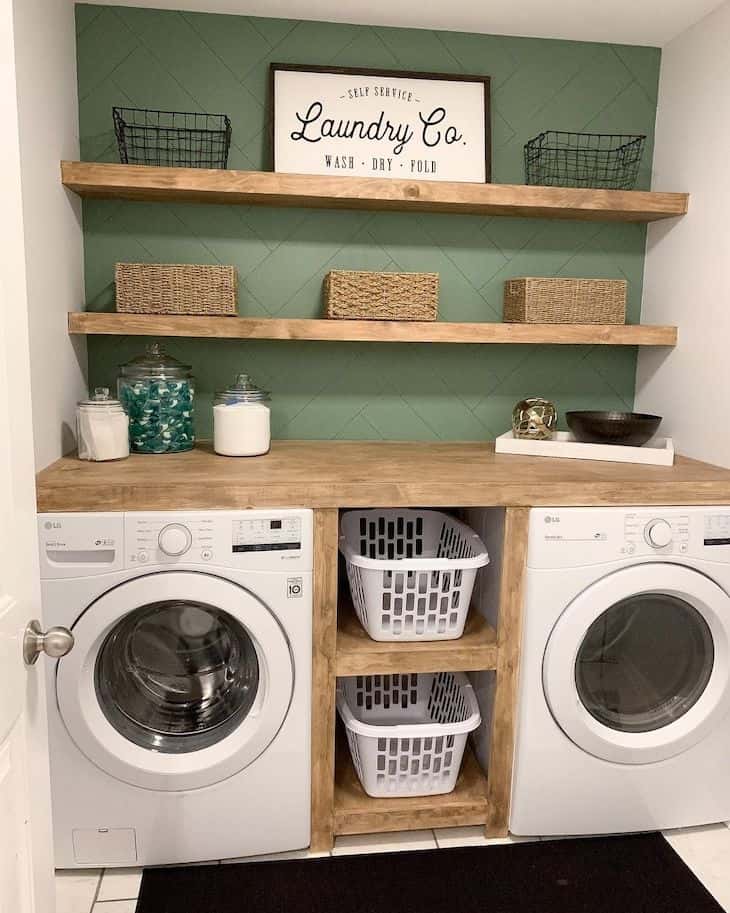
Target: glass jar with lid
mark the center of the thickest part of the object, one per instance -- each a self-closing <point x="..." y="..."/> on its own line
<point x="102" y="428"/>
<point x="157" y="393"/>
<point x="241" y="419"/>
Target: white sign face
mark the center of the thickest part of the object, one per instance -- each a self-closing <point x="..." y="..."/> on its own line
<point x="371" y="125"/>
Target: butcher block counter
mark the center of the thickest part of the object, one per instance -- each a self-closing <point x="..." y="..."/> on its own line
<point x="328" y="475"/>
<point x="365" y="474"/>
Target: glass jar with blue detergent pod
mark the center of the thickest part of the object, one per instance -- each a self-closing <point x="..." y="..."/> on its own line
<point x="157" y="392"/>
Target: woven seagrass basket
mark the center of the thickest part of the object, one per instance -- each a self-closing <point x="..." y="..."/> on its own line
<point x="175" y="288"/>
<point x="529" y="300"/>
<point x="361" y="295"/>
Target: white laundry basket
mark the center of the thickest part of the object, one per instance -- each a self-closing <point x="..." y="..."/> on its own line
<point x="411" y="572"/>
<point x="407" y="733"/>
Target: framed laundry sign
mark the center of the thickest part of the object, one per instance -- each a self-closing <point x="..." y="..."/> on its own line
<point x="380" y="123"/>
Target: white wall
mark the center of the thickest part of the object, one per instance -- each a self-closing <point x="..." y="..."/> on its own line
<point x="687" y="270"/>
<point x="45" y="46"/>
<point x="648" y="22"/>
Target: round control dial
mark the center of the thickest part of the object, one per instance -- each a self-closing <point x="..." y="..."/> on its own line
<point x="174" y="539"/>
<point x="658" y="533"/>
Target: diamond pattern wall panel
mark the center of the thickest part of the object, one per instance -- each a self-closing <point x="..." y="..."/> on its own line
<point x="206" y="62"/>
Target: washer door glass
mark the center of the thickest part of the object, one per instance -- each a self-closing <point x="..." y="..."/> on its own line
<point x="636" y="668"/>
<point x="176" y="675"/>
<point x="644" y="662"/>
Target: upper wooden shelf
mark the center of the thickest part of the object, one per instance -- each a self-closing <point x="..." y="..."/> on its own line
<point x="104" y="180"/>
<point x="112" y="324"/>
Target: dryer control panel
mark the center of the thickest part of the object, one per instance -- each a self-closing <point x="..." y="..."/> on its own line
<point x="77" y="545"/>
<point x="577" y="536"/>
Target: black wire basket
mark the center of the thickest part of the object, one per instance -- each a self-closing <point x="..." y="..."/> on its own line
<point x="603" y="160"/>
<point x="172" y="138"/>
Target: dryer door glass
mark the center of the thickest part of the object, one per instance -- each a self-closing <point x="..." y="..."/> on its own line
<point x="644" y="662"/>
<point x="176" y="676"/>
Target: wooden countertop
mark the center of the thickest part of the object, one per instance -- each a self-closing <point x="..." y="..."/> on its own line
<point x="364" y="474"/>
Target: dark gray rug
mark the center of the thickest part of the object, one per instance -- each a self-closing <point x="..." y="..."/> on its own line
<point x="634" y="874"/>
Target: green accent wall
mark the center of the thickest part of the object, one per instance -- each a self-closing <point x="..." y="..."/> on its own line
<point x="207" y="62"/>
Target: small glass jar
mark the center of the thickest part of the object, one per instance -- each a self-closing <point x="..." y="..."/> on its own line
<point x="102" y="428"/>
<point x="157" y="393"/>
<point x="241" y="419"/>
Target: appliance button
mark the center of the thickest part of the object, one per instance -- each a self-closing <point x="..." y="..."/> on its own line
<point x="206" y="554"/>
<point x="142" y="557"/>
<point x="683" y="548"/>
<point x="658" y="533"/>
<point x="174" y="539"/>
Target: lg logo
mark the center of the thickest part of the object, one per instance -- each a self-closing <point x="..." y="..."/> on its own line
<point x="549" y="519"/>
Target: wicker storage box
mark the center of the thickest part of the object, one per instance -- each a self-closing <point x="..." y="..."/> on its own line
<point x="360" y="295"/>
<point x="175" y="288"/>
<point x="530" y="300"/>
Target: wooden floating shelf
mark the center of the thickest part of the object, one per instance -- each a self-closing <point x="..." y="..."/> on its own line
<point x="113" y="324"/>
<point x="357" y="813"/>
<point x="357" y="654"/>
<point x="103" y="180"/>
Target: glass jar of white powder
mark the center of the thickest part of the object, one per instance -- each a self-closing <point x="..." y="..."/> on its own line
<point x="102" y="427"/>
<point x="241" y="419"/>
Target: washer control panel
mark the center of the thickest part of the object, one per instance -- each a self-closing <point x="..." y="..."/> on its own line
<point x="246" y="538"/>
<point x="267" y="534"/>
<point x="579" y="536"/>
<point x="88" y="544"/>
<point x="660" y="532"/>
<point x="168" y="537"/>
<point x="717" y="529"/>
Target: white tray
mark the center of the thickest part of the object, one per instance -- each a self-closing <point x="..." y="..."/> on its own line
<point x="659" y="451"/>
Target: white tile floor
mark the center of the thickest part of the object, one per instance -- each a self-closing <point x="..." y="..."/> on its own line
<point x="704" y="849"/>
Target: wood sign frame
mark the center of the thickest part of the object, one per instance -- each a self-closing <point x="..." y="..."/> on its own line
<point x="419" y="140"/>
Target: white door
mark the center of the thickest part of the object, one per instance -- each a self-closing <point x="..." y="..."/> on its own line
<point x="26" y="863"/>
<point x="26" y="857"/>
<point x="637" y="668"/>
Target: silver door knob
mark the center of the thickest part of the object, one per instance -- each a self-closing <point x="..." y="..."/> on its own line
<point x="55" y="642"/>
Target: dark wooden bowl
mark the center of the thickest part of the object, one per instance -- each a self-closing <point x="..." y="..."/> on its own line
<point x="628" y="428"/>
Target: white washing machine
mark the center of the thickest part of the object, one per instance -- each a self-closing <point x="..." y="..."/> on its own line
<point x="623" y="720"/>
<point x="180" y="719"/>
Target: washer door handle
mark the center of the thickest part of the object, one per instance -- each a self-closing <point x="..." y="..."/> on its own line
<point x="55" y="642"/>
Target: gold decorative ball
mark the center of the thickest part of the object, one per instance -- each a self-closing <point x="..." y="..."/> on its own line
<point x="535" y="419"/>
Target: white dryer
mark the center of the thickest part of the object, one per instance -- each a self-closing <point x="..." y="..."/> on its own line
<point x="180" y="721"/>
<point x="623" y="718"/>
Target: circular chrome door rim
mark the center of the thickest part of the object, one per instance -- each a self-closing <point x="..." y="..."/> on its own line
<point x="95" y="736"/>
<point x="567" y="636"/>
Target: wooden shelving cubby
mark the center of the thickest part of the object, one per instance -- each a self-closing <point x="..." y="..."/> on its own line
<point x="340" y="805"/>
<point x="357" y="813"/>
<point x="358" y="654"/>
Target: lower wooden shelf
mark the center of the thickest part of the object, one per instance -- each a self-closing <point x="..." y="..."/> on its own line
<point x="357" y="813"/>
<point x="358" y="654"/>
<point x="112" y="324"/>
